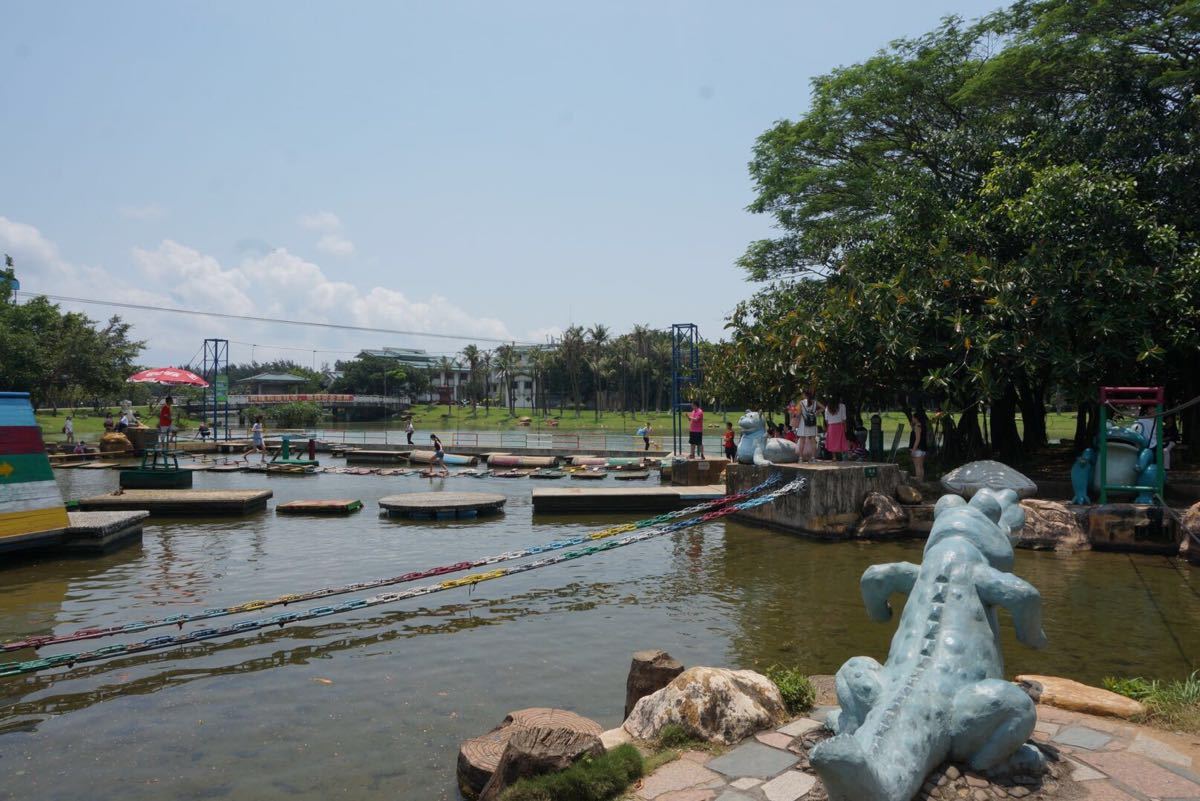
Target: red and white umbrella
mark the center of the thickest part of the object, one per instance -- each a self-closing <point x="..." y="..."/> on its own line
<point x="170" y="376"/>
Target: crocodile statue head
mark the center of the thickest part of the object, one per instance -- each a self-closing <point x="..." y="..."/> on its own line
<point x="941" y="694"/>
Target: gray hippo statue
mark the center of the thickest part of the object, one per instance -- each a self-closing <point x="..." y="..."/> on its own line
<point x="756" y="448"/>
<point x="942" y="692"/>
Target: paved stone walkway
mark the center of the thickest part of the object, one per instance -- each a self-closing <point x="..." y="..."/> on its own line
<point x="1105" y="760"/>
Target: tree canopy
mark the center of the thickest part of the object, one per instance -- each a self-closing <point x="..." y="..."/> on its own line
<point x="986" y="212"/>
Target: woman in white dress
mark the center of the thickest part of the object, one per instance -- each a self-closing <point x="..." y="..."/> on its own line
<point x="805" y="425"/>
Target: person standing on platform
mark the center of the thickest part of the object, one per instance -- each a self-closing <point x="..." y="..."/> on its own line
<point x="439" y="456"/>
<point x="69" y="428"/>
<point x="256" y="439"/>
<point x="727" y="439"/>
<point x="807" y="431"/>
<point x="835" y="429"/>
<point x="646" y="434"/>
<point x="408" y="430"/>
<point x="696" y="430"/>
<point x="165" y="420"/>
<point x="918" y="442"/>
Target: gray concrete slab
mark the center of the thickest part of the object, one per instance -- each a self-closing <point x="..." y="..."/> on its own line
<point x="753" y="759"/>
<point x="1082" y="737"/>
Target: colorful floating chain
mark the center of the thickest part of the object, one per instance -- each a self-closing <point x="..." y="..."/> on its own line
<point x="284" y="600"/>
<point x="282" y="619"/>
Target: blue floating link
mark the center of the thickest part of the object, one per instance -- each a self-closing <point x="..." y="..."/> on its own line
<point x="203" y="634"/>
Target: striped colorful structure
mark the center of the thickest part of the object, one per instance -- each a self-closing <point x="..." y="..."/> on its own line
<point x="30" y="502"/>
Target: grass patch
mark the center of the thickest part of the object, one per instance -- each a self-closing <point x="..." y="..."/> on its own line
<point x="673" y="736"/>
<point x="797" y="690"/>
<point x="590" y="779"/>
<point x="1172" y="704"/>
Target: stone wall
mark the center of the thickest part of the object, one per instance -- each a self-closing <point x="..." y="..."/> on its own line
<point x="829" y="508"/>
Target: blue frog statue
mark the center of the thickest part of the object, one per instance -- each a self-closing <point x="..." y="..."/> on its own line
<point x="942" y="692"/>
<point x="1131" y="462"/>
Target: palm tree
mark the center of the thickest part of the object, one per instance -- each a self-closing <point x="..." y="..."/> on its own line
<point x="506" y="365"/>
<point x="598" y="335"/>
<point x="471" y="354"/>
<point x="485" y="361"/>
<point x="447" y="368"/>
<point x="571" y="352"/>
<point x="641" y="342"/>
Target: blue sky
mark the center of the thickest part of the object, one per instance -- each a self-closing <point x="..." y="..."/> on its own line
<point x="478" y="168"/>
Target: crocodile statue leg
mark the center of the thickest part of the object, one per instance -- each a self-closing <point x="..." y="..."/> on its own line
<point x="1019" y="597"/>
<point x="990" y="720"/>
<point x="880" y="581"/>
<point x="858" y="688"/>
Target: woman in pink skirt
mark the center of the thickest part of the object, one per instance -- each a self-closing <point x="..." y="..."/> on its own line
<point x="835" y="428"/>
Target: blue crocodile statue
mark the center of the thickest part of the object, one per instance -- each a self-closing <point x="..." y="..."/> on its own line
<point x="942" y="693"/>
<point x="755" y="447"/>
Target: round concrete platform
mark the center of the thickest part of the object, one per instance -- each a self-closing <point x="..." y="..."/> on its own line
<point x="441" y="505"/>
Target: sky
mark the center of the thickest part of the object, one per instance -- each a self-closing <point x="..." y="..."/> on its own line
<point x="487" y="170"/>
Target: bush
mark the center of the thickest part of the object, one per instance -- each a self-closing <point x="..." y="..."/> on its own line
<point x="672" y="736"/>
<point x="1175" y="704"/>
<point x="590" y="779"/>
<point x="797" y="691"/>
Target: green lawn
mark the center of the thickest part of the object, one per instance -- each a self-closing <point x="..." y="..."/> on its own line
<point x="1058" y="425"/>
<point x="89" y="426"/>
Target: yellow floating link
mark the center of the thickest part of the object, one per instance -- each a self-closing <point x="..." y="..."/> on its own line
<point x="250" y="606"/>
<point x="612" y="532"/>
<point x="474" y="578"/>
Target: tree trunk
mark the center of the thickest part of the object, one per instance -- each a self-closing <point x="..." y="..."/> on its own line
<point x="1032" y="399"/>
<point x="1005" y="439"/>
<point x="1083" y="414"/>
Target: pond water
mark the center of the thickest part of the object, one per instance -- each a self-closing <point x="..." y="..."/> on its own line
<point x="372" y="704"/>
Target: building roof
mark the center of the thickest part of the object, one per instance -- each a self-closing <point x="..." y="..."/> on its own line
<point x="273" y="378"/>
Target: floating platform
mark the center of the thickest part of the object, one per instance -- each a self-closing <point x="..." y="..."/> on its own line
<point x="206" y="503"/>
<point x="575" y="500"/>
<point x="226" y="468"/>
<point x="441" y="505"/>
<point x="547" y="474"/>
<point x="277" y="469"/>
<point x="588" y="475"/>
<point x="631" y="475"/>
<point x="508" y="460"/>
<point x="325" y="506"/>
<point x="148" y="479"/>
<point x="426" y="457"/>
<point x="97" y="532"/>
<point x="376" y="457"/>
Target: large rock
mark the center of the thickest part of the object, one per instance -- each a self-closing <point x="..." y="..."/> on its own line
<point x="479" y="757"/>
<point x="881" y="515"/>
<point x="713" y="704"/>
<point x="1068" y="694"/>
<point x="971" y="477"/>
<point x="1050" y="525"/>
<point x="649" y="672"/>
<point x="908" y="494"/>
<point x="539" y="750"/>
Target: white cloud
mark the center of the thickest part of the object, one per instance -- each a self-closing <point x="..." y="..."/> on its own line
<point x="277" y="284"/>
<point x="150" y="211"/>
<point x="321" y="221"/>
<point x="335" y="245"/>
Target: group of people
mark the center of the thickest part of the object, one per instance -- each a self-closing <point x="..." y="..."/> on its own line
<point x="803" y="425"/>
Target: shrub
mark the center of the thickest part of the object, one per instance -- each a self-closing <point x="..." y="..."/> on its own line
<point x="673" y="735"/>
<point x="1175" y="703"/>
<point x="590" y="779"/>
<point x="797" y="691"/>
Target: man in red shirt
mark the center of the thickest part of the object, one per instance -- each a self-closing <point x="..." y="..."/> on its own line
<point x="164" y="424"/>
<point x="696" y="430"/>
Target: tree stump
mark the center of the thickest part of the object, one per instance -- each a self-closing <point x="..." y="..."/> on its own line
<point x="537" y="751"/>
<point x="649" y="672"/>
<point x="479" y="756"/>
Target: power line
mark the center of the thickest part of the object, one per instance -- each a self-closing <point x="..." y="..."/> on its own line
<point x="274" y="320"/>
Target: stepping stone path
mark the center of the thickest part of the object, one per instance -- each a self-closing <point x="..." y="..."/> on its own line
<point x="1092" y="759"/>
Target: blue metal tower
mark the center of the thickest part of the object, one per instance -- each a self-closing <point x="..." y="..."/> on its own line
<point x="685" y="370"/>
